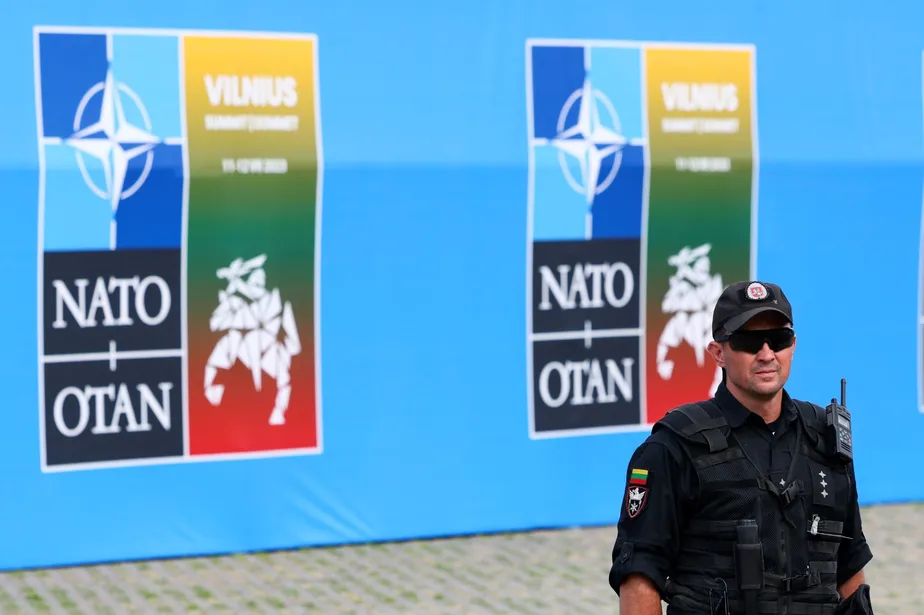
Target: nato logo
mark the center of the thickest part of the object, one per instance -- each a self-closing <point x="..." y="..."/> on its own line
<point x="587" y="142"/>
<point x="110" y="123"/>
<point x="111" y="238"/>
<point x="587" y="172"/>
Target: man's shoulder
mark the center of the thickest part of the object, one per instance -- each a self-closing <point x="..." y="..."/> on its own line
<point x="664" y="438"/>
<point x="701" y="413"/>
<point x="659" y="446"/>
<point x="700" y="422"/>
<point x="812" y="414"/>
<point x="668" y="433"/>
<point x="686" y="421"/>
<point x="815" y="418"/>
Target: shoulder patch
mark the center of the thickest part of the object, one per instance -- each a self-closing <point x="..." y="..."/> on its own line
<point x="636" y="499"/>
<point x="638" y="477"/>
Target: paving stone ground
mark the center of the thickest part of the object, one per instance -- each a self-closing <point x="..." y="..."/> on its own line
<point x="550" y="572"/>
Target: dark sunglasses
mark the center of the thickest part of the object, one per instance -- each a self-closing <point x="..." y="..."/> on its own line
<point x="752" y="341"/>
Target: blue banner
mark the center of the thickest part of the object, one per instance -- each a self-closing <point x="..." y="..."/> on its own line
<point x="327" y="273"/>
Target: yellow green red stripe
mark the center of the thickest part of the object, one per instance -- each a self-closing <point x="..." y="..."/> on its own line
<point x="638" y="477"/>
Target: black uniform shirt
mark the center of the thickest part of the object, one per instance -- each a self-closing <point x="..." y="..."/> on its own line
<point x="654" y="531"/>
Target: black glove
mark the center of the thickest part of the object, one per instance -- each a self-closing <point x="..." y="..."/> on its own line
<point x="858" y="603"/>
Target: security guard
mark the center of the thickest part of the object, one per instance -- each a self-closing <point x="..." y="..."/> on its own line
<point x="737" y="504"/>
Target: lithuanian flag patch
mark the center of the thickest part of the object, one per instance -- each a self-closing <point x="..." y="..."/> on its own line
<point x="638" y="477"/>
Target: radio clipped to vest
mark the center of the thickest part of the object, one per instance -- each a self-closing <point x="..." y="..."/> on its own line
<point x="837" y="424"/>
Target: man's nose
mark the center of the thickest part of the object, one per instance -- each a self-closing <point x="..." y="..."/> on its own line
<point x="765" y="354"/>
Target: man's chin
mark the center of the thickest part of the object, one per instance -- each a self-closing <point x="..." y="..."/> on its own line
<point x="764" y="388"/>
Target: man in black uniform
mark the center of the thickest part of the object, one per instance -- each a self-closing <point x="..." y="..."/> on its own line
<point x="751" y="452"/>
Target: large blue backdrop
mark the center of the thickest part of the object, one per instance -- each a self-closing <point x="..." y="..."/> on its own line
<point x="483" y="220"/>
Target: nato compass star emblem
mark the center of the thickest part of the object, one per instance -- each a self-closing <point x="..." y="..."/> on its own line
<point x="589" y="141"/>
<point x="113" y="141"/>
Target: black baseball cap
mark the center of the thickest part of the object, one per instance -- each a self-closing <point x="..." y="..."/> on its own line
<point x="742" y="301"/>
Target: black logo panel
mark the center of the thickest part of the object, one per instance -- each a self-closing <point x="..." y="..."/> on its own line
<point x="579" y="281"/>
<point x="93" y="413"/>
<point x="576" y="387"/>
<point x="129" y="297"/>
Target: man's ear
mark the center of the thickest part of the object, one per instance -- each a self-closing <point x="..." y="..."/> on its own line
<point x="717" y="353"/>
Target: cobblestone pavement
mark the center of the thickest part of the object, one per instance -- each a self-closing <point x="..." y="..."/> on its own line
<point x="555" y="572"/>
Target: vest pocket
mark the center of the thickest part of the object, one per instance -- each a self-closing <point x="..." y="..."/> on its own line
<point x="826" y="530"/>
<point x="695" y="595"/>
<point x="825" y="537"/>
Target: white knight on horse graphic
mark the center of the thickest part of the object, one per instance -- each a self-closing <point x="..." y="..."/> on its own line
<point x="691" y="298"/>
<point x="252" y="317"/>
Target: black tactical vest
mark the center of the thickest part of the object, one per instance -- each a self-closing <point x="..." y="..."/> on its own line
<point x="800" y="523"/>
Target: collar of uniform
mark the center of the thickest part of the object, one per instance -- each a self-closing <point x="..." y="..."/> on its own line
<point x="736" y="414"/>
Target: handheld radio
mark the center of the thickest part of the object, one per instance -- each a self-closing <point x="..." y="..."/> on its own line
<point x="837" y="419"/>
